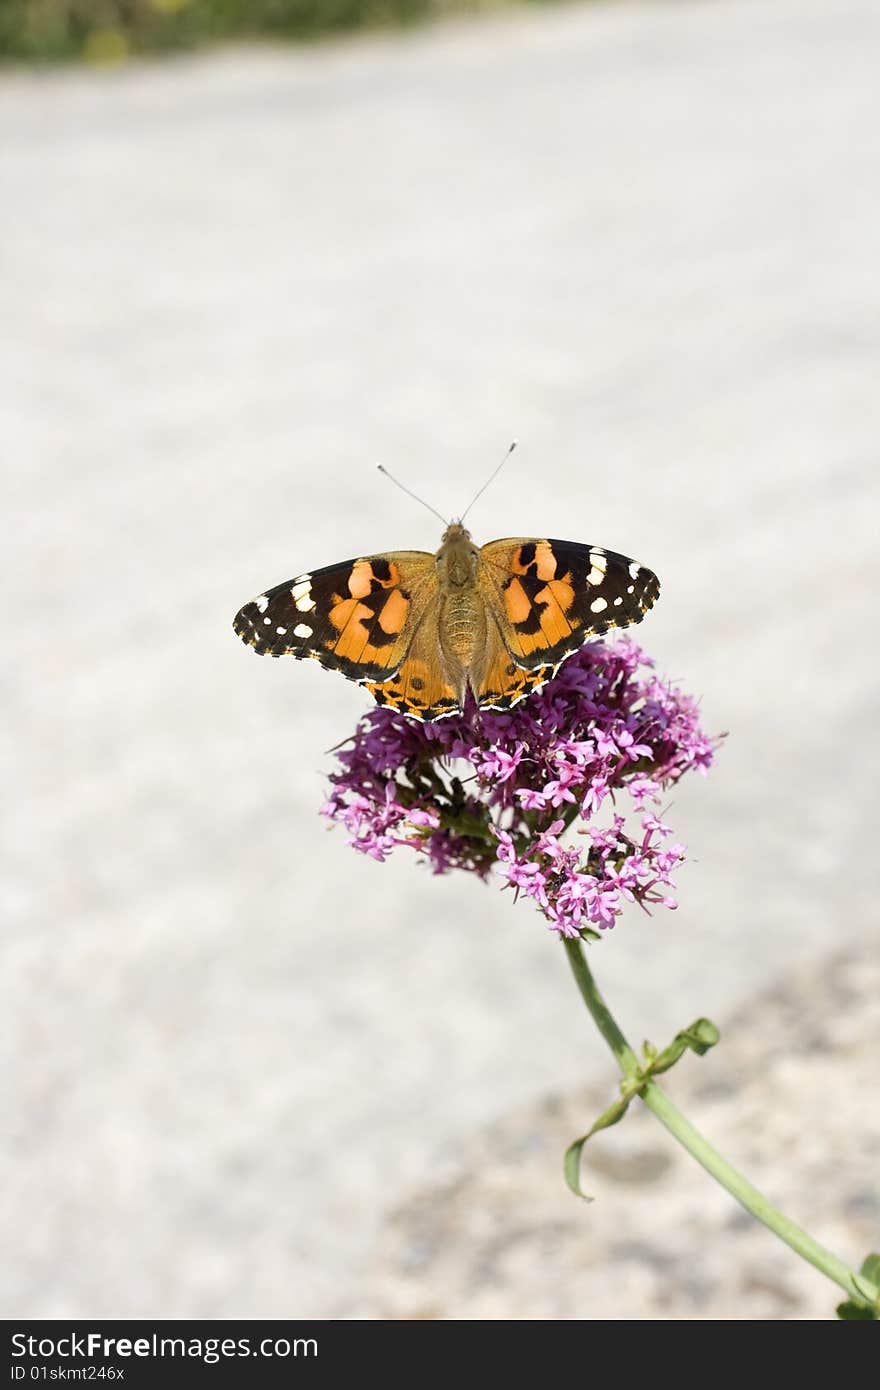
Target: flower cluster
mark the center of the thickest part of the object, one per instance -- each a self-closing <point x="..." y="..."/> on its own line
<point x="485" y="789"/>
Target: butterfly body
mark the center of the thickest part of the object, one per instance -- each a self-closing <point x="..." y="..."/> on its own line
<point x="421" y="630"/>
<point x="461" y="611"/>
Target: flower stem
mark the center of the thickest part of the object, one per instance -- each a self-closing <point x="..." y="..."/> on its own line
<point x="857" y="1287"/>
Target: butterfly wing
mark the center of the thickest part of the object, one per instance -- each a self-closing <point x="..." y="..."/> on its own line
<point x="549" y="597"/>
<point x="358" y="617"/>
<point x="420" y="687"/>
<point x="502" y="683"/>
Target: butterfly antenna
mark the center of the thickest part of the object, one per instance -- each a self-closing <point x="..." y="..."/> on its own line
<point x="489" y="480"/>
<point x="382" y="469"/>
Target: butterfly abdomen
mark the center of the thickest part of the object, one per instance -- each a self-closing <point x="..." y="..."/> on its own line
<point x="462" y="628"/>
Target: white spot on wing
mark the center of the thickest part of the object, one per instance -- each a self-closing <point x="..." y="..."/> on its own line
<point x="301" y="593"/>
<point x="302" y="630"/>
<point x="618" y="601"/>
<point x="634" y="569"/>
<point x="599" y="566"/>
<point x="282" y="631"/>
<point x="262" y="602"/>
<point x="598" y="605"/>
<point x="268" y="622"/>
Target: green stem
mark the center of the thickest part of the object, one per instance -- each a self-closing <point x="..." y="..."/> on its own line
<point x="857" y="1287"/>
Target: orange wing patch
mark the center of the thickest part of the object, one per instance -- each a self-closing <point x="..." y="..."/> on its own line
<point x="537" y="601"/>
<point x="540" y="622"/>
<point x="533" y="557"/>
<point x="420" y="688"/>
<point x="370" y="621"/>
<point x="365" y="575"/>
<point x="517" y="604"/>
<point x="506" y="683"/>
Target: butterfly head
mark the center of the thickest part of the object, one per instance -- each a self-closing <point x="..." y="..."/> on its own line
<point x="458" y="557"/>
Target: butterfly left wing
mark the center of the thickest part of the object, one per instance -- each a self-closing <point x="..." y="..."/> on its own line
<point x="358" y="617"/>
<point x="421" y="687"/>
<point x="549" y="597"/>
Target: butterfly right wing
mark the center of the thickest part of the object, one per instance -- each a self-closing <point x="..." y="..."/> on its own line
<point x="358" y="617"/>
<point x="549" y="597"/>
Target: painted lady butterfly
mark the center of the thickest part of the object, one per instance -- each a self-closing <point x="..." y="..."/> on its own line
<point x="419" y="630"/>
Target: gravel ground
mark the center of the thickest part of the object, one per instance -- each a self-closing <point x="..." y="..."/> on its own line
<point x="494" y="1229"/>
<point x="643" y="239"/>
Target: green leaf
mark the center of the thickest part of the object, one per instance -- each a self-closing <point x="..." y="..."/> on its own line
<point x="702" y="1035"/>
<point x="871" y="1268"/>
<point x="572" y="1161"/>
<point x="869" y="1310"/>
<point x="855" y="1312"/>
<point x="572" y="1167"/>
<point x="699" y="1037"/>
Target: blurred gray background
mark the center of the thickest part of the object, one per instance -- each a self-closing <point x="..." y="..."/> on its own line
<point x="640" y="237"/>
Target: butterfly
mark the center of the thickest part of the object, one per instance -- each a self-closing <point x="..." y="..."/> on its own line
<point x="420" y="631"/>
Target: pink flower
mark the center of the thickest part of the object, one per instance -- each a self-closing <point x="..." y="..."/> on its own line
<point x="605" y="726"/>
